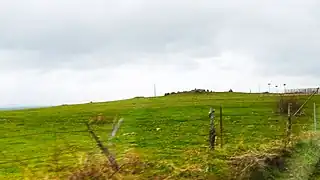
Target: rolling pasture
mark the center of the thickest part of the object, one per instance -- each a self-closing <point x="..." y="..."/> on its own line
<point x="169" y="134"/>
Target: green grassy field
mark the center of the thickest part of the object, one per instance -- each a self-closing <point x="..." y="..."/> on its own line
<point x="33" y="139"/>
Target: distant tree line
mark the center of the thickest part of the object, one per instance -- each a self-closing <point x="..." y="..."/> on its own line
<point x="192" y="91"/>
<point x="198" y="91"/>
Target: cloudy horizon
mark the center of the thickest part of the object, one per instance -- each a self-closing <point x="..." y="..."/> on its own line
<point x="60" y="52"/>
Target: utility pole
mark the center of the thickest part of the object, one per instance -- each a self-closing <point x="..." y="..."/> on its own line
<point x="154" y="90"/>
<point x="269" y="84"/>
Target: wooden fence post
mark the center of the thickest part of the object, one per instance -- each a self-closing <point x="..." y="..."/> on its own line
<point x="212" y="132"/>
<point x="221" y="130"/>
<point x="315" y="116"/>
<point x="289" y="128"/>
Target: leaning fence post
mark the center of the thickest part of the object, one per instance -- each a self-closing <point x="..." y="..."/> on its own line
<point x="104" y="149"/>
<point x="221" y="133"/>
<point x="212" y="133"/>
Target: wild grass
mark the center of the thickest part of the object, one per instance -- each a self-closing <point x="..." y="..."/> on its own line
<point x="169" y="134"/>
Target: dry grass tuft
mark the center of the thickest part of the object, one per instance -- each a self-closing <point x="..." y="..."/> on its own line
<point x="100" y="119"/>
<point x="132" y="164"/>
<point x="98" y="169"/>
<point x="253" y="163"/>
<point x="94" y="171"/>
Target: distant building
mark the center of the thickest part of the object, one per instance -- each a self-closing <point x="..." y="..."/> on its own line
<point x="301" y="91"/>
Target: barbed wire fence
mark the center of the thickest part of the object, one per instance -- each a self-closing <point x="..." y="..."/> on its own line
<point x="234" y="129"/>
<point x="54" y="161"/>
<point x="231" y="127"/>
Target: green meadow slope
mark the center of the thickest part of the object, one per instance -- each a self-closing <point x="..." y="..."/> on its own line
<point x="170" y="133"/>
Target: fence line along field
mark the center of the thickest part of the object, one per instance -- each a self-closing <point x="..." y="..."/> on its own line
<point x="169" y="135"/>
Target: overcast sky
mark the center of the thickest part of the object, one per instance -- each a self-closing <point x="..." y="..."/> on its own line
<point x="74" y="51"/>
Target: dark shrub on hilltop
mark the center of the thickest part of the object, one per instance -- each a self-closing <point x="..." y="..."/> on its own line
<point x="192" y="91"/>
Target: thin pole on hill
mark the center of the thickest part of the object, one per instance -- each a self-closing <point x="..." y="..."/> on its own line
<point x="104" y="149"/>
<point x="221" y="130"/>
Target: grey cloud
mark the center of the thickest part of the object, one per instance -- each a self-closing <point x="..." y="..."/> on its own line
<point x="58" y="39"/>
<point x="283" y="36"/>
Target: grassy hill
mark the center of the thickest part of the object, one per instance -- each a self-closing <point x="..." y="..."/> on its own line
<point x="169" y="134"/>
